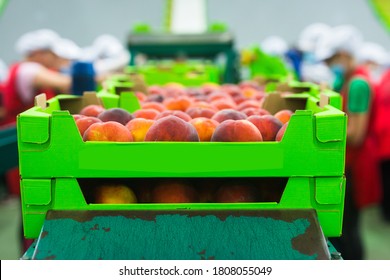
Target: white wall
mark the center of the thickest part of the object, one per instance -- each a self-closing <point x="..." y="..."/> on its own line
<point x="250" y="20"/>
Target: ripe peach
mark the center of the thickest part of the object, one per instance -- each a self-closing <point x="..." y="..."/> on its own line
<point x="173" y="192"/>
<point x="255" y="111"/>
<point x="205" y="128"/>
<point x="236" y="194"/>
<point x="153" y="105"/>
<point x="228" y="114"/>
<point x="141" y="96"/>
<point x="115" y="194"/>
<point x="282" y="130"/>
<point x="117" y="115"/>
<point x="154" y="98"/>
<point x="224" y="104"/>
<point x="139" y="127"/>
<point x="248" y="104"/>
<point x="203" y="104"/>
<point x="208" y="88"/>
<point x="268" y="126"/>
<point x="92" y="110"/>
<point x="177" y="113"/>
<point x="284" y="115"/>
<point x="149" y="114"/>
<point x="84" y="123"/>
<point x="77" y="117"/>
<point x="236" y="131"/>
<point x="180" y="103"/>
<point x="218" y="95"/>
<point x="108" y="131"/>
<point x="200" y="112"/>
<point x="172" y="128"/>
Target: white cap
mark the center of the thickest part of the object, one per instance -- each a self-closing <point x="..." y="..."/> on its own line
<point x="66" y="49"/>
<point x="316" y="73"/>
<point x="3" y="70"/>
<point x="107" y="46"/>
<point x="310" y="35"/>
<point x="43" y="39"/>
<point x="372" y="52"/>
<point x="341" y="38"/>
<point x="274" y="45"/>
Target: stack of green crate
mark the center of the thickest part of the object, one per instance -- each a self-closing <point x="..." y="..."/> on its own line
<point x="189" y="73"/>
<point x="54" y="159"/>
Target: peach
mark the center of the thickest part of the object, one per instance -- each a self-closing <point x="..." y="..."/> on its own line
<point x="115" y="194"/>
<point x="92" y="110"/>
<point x="108" y="131"/>
<point x="200" y="112"/>
<point x="153" y="105"/>
<point x="236" y="131"/>
<point x="208" y="88"/>
<point x="205" y="128"/>
<point x="173" y="192"/>
<point x="231" y="89"/>
<point x="180" y="103"/>
<point x="172" y="128"/>
<point x="203" y="104"/>
<point x="149" y="114"/>
<point x="228" y="114"/>
<point x="236" y="194"/>
<point x="280" y="134"/>
<point x="116" y="115"/>
<point x="77" y="116"/>
<point x="248" y="104"/>
<point x="268" y="126"/>
<point x="141" y="96"/>
<point x="224" y="104"/>
<point x="177" y="113"/>
<point x="249" y="92"/>
<point x="218" y="95"/>
<point x="255" y="111"/>
<point x="284" y="115"/>
<point x="139" y="127"/>
<point x="154" y="98"/>
<point x="84" y="123"/>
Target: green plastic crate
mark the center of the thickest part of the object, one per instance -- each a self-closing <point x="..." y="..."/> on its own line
<point x="313" y="145"/>
<point x="324" y="194"/>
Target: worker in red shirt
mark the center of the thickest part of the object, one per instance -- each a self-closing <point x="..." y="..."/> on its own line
<point x="36" y="73"/>
<point x="382" y="130"/>
<point x="338" y="50"/>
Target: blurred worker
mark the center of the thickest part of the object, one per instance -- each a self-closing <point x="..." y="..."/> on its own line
<point x="37" y="73"/>
<point x="67" y="52"/>
<point x="338" y="50"/>
<point x="382" y="130"/>
<point x="108" y="55"/>
<point x="309" y="69"/>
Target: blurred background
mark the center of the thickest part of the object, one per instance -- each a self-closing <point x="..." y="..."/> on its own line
<point x="250" y="21"/>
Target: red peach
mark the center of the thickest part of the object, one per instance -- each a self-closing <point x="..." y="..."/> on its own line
<point x="172" y="128"/>
<point x="116" y="115"/>
<point x="153" y="105"/>
<point x="149" y="114"/>
<point x="284" y="115"/>
<point x="108" y="131"/>
<point x="228" y="114"/>
<point x="84" y="123"/>
<point x="173" y="192"/>
<point x="205" y="128"/>
<point x="281" y="132"/>
<point x="236" y="131"/>
<point x="92" y="110"/>
<point x="139" y="127"/>
<point x="177" y="113"/>
<point x="200" y="112"/>
<point x="268" y="126"/>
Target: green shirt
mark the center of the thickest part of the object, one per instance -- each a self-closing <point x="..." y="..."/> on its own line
<point x="359" y="96"/>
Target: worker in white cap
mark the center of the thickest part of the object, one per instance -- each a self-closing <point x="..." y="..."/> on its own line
<point x="107" y="54"/>
<point x="36" y="73"/>
<point x="67" y="51"/>
<point x="375" y="58"/>
<point x="310" y="69"/>
<point x="338" y="50"/>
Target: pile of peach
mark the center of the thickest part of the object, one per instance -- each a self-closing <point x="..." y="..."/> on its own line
<point x="187" y="191"/>
<point x="217" y="113"/>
